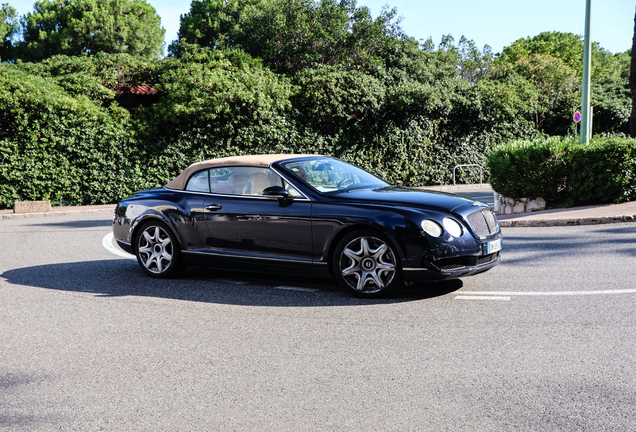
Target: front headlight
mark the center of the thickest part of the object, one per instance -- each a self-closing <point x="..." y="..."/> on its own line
<point x="431" y="228"/>
<point x="452" y="227"/>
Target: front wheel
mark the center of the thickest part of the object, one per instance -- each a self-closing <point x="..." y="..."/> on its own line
<point x="365" y="264"/>
<point x="157" y="250"/>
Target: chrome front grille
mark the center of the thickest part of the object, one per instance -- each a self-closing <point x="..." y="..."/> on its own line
<point x="483" y="222"/>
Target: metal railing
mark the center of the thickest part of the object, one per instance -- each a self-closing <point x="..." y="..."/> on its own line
<point x="481" y="172"/>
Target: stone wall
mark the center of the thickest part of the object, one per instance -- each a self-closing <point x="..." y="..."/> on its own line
<point x="522" y="205"/>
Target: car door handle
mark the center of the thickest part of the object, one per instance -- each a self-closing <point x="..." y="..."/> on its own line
<point x="214" y="207"/>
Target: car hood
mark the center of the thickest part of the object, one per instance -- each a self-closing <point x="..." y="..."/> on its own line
<point x="406" y="196"/>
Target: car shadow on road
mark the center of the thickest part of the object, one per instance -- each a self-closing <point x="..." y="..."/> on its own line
<point x="119" y="278"/>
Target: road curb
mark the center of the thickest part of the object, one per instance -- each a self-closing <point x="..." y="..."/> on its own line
<point x="566" y="221"/>
<point x="54" y="213"/>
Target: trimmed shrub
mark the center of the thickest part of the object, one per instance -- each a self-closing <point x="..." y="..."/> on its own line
<point x="560" y="170"/>
<point x="57" y="147"/>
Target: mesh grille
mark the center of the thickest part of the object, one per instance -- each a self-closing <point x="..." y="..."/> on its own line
<point x="451" y="264"/>
<point x="487" y="259"/>
<point x="483" y="222"/>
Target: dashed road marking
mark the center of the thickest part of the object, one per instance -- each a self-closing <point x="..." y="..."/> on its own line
<point x="480" y="297"/>
<point x="293" y="288"/>
<point x="230" y="281"/>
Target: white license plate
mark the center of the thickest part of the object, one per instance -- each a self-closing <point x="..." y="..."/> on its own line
<point x="493" y="246"/>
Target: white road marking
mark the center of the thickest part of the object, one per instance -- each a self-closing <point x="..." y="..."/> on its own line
<point x="230" y="281"/>
<point x="107" y="242"/>
<point x="479" y="297"/>
<point x="293" y="288"/>
<point x="550" y="293"/>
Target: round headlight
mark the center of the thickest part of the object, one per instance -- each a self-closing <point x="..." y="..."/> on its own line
<point x="452" y="227"/>
<point x="431" y="228"/>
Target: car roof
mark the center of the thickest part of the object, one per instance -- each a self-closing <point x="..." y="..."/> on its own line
<point x="262" y="161"/>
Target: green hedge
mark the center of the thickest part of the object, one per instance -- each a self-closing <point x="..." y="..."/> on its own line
<point x="57" y="147"/>
<point x="65" y="138"/>
<point x="560" y="170"/>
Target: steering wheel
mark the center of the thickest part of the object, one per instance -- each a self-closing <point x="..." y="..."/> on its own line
<point x="344" y="183"/>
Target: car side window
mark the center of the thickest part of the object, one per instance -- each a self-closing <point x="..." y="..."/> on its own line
<point x="199" y="182"/>
<point x="243" y="180"/>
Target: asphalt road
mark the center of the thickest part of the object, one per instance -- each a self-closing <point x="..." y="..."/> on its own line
<point x="543" y="342"/>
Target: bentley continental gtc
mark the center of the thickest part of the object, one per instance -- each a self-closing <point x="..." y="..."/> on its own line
<point x="309" y="215"/>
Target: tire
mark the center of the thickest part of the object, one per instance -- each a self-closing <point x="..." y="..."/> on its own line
<point x="157" y="250"/>
<point x="367" y="265"/>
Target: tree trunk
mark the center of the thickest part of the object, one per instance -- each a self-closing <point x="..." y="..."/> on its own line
<point x="632" y="85"/>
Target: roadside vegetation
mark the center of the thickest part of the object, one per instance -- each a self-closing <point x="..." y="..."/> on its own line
<point x="272" y="76"/>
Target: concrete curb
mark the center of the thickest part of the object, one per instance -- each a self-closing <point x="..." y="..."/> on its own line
<point x="451" y="188"/>
<point x="55" y="213"/>
<point x="566" y="221"/>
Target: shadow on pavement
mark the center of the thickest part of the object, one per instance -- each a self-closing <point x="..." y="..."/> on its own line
<point x="76" y="224"/>
<point x="118" y="278"/>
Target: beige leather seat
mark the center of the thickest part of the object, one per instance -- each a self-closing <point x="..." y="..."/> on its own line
<point x="237" y="182"/>
<point x="258" y="182"/>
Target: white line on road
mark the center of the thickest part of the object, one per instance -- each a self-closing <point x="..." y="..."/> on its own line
<point x="293" y="288"/>
<point x="107" y="242"/>
<point x="550" y="293"/>
<point x="479" y="297"/>
<point x="231" y="281"/>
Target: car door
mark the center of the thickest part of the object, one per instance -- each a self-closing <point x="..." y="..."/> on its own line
<point x="247" y="225"/>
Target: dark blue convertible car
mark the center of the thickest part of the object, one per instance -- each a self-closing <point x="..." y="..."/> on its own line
<point x="307" y="214"/>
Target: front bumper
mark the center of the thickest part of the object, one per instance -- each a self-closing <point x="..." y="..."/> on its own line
<point x="450" y="258"/>
<point x="451" y="268"/>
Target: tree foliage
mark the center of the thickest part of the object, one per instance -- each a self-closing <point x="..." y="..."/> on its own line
<point x="211" y="23"/>
<point x="289" y="76"/>
<point x="8" y="29"/>
<point x="74" y="27"/>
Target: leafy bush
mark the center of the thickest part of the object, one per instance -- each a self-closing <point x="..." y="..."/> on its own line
<point x="57" y="147"/>
<point x="562" y="170"/>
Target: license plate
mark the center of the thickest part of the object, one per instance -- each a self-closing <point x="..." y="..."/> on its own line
<point x="493" y="246"/>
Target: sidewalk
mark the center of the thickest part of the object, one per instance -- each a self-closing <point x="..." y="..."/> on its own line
<point x="59" y="211"/>
<point x="586" y="215"/>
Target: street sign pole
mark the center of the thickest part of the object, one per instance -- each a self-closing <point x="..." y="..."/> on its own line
<point x="587" y="65"/>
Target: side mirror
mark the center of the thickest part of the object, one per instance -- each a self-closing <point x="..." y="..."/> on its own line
<point x="275" y="192"/>
<point x="279" y="193"/>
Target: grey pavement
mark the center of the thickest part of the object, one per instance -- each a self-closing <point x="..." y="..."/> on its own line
<point x="542" y="342"/>
<point x="583" y="215"/>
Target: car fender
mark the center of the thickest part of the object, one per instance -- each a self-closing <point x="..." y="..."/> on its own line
<point x="150" y="215"/>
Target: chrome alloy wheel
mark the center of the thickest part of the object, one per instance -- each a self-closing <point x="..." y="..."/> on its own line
<point x="155" y="249"/>
<point x="367" y="264"/>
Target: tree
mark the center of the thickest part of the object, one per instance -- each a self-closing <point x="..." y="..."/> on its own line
<point x="567" y="47"/>
<point x="74" y="27"/>
<point x="292" y="35"/>
<point x="211" y="23"/>
<point x="8" y="28"/>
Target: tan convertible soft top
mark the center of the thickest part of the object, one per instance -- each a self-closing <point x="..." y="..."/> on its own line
<point x="262" y="161"/>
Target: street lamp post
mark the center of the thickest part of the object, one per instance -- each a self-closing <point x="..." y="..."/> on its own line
<point x="587" y="65"/>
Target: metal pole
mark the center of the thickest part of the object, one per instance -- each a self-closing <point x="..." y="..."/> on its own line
<point x="587" y="65"/>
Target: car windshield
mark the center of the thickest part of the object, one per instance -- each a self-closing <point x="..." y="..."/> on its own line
<point x="331" y="176"/>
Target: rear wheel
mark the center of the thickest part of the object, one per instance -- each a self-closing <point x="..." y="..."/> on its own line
<point x="366" y="265"/>
<point x="157" y="250"/>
